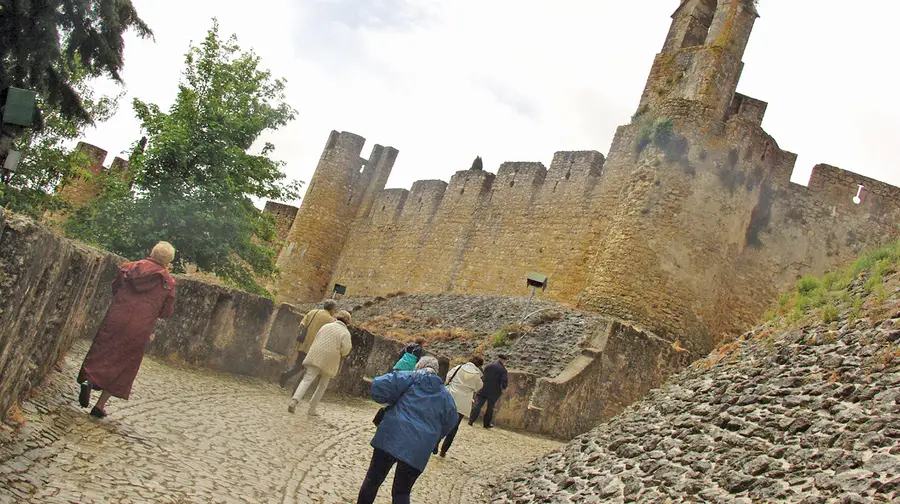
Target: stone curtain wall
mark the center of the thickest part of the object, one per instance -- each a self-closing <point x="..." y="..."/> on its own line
<point x="691" y="240"/>
<point x="481" y="233"/>
<point x="52" y="291"/>
<point x="689" y="228"/>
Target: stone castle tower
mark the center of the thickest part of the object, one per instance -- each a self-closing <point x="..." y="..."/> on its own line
<point x="688" y="227"/>
<point x="341" y="190"/>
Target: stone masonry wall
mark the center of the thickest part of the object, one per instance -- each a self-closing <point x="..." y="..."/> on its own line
<point x="284" y="216"/>
<point x="343" y="185"/>
<point x="688" y="228"/>
<point x="481" y="233"/>
<point x="52" y="291"/>
<point x="55" y="291"/>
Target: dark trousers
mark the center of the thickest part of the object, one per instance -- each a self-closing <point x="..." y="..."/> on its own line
<point x="450" y="437"/>
<point x="296" y="368"/>
<point x="476" y="410"/>
<point x="404" y="479"/>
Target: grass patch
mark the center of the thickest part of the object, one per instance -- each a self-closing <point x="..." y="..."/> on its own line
<point x="828" y="294"/>
<point x="653" y="130"/>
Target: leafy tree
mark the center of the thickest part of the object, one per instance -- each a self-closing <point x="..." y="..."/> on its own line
<point x="47" y="158"/>
<point x="477" y="164"/>
<point x="43" y="42"/>
<point x="194" y="182"/>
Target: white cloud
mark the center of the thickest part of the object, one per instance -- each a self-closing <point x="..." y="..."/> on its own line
<point x="517" y="80"/>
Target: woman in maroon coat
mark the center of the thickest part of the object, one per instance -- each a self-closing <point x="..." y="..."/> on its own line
<point x="142" y="292"/>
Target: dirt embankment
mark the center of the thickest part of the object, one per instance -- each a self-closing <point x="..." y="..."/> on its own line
<point x="457" y="325"/>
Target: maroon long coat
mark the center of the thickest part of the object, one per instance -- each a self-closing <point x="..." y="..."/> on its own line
<point x="143" y="291"/>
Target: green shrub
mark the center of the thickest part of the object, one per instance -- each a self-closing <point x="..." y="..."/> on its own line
<point x="829" y="313"/>
<point x="808" y="284"/>
<point x="784" y="299"/>
<point x="500" y="338"/>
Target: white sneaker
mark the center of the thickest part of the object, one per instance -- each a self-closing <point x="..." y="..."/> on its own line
<point x="293" y="406"/>
<point x="312" y="413"/>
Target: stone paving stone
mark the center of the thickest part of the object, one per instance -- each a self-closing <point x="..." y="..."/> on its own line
<point x="195" y="436"/>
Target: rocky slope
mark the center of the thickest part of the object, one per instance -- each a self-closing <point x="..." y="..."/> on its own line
<point x="804" y="409"/>
<point x="456" y="326"/>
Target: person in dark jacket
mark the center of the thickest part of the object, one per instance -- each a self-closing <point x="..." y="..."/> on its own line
<point x="495" y="382"/>
<point x="423" y="412"/>
<point x="143" y="291"/>
<point x="416" y="348"/>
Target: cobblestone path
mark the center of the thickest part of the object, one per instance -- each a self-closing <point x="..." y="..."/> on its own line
<point x="195" y="436"/>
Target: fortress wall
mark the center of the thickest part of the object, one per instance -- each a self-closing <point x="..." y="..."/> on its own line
<point x="284" y="216"/>
<point x="78" y="191"/>
<point x="480" y="233"/>
<point x="811" y="230"/>
<point x="678" y="219"/>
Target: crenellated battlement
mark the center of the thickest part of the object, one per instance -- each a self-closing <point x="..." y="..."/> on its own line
<point x="687" y="227"/>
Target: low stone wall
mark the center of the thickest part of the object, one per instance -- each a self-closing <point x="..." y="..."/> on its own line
<point x="597" y="386"/>
<point x="53" y="291"/>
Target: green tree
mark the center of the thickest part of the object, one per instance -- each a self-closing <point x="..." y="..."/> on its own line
<point x="43" y="42"/>
<point x="194" y="183"/>
<point x="47" y="156"/>
<point x="477" y="164"/>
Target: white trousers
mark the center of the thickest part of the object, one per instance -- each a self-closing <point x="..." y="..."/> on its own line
<point x="309" y="377"/>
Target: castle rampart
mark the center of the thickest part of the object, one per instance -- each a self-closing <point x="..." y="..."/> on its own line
<point x="687" y="228"/>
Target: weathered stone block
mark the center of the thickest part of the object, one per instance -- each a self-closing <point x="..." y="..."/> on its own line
<point x="184" y="335"/>
<point x="353" y="368"/>
<point x="282" y="338"/>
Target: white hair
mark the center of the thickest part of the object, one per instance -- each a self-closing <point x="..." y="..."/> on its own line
<point x="428" y="362"/>
<point x="163" y="252"/>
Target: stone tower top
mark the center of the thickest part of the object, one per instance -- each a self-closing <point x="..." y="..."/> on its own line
<point x="698" y="70"/>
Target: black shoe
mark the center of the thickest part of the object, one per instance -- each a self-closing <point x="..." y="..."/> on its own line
<point x="443" y="454"/>
<point x="97" y="412"/>
<point x="84" y="397"/>
<point x="488" y="426"/>
<point x="435" y="451"/>
<point x="471" y="424"/>
<point x="282" y="380"/>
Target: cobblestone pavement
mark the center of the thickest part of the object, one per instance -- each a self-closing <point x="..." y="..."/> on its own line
<point x="195" y="436"/>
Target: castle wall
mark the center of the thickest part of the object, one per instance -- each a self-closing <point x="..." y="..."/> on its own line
<point x="688" y="228"/>
<point x="78" y="191"/>
<point x="284" y="216"/>
<point x="479" y="233"/>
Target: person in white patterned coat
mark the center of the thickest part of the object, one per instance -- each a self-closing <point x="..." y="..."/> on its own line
<point x="462" y="382"/>
<point x="323" y="361"/>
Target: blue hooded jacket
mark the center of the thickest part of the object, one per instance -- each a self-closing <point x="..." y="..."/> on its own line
<point x="423" y="413"/>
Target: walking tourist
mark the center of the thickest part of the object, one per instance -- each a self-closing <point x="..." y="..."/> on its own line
<point x="410" y="355"/>
<point x="143" y="291"/>
<point x="309" y="327"/>
<point x="323" y="361"/>
<point x="495" y="381"/>
<point x="462" y="382"/>
<point x="422" y="412"/>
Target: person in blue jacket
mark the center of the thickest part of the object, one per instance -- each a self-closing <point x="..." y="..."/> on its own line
<point x="423" y="412"/>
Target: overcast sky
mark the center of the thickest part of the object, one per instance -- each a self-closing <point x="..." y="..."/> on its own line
<point x="517" y="80"/>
